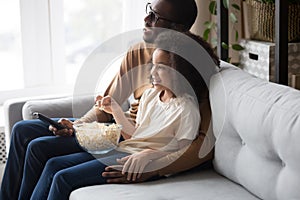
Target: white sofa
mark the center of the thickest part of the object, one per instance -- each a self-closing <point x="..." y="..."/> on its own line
<point x="257" y="150"/>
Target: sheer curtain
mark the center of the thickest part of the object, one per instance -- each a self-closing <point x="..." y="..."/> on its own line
<point x="134" y="14"/>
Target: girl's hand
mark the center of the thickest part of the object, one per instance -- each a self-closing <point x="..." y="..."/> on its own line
<point x="105" y="103"/>
<point x="98" y="100"/>
<point x="135" y="164"/>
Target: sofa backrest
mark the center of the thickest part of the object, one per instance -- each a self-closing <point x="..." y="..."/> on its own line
<point x="257" y="128"/>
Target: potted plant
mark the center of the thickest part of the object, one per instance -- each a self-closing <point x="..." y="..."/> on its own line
<point x="211" y="26"/>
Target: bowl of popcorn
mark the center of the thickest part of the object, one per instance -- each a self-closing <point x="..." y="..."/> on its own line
<point x="98" y="138"/>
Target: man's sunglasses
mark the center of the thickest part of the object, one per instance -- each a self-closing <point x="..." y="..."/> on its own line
<point x="154" y="16"/>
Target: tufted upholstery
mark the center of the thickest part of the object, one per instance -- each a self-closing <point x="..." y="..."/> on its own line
<point x="257" y="126"/>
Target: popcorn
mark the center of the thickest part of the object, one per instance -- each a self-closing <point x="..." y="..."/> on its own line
<point x="98" y="138"/>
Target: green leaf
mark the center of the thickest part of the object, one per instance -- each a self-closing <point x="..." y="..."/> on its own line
<point x="209" y="24"/>
<point x="233" y="18"/>
<point x="236" y="35"/>
<point x="226" y="3"/>
<point x="225" y="46"/>
<point x="237" y="7"/>
<point x="206" y="34"/>
<point x="213" y="7"/>
<point x="237" y="47"/>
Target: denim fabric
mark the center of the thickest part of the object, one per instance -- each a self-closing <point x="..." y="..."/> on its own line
<point x="53" y="166"/>
<point x="68" y="177"/>
<point x="39" y="151"/>
<point x="22" y="133"/>
<point x="25" y="154"/>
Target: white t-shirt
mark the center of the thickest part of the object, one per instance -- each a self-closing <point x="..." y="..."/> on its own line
<point x="162" y="125"/>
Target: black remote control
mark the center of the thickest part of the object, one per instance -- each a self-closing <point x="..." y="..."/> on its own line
<point x="42" y="117"/>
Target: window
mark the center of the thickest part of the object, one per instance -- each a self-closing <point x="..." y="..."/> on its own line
<point x="87" y="23"/>
<point x="10" y="46"/>
<point x="45" y="42"/>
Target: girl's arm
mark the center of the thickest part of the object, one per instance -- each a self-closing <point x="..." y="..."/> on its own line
<point x="136" y="163"/>
<point x="109" y="105"/>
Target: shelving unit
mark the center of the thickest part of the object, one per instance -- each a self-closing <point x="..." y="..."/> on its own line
<point x="281" y="41"/>
<point x="222" y="13"/>
<point x="281" y="37"/>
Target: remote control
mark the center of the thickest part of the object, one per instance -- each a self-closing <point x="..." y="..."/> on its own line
<point x="42" y="117"/>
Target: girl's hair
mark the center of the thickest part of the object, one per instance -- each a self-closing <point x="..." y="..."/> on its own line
<point x="178" y="42"/>
<point x="172" y="42"/>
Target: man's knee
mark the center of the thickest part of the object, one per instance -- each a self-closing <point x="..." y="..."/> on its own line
<point x="37" y="146"/>
<point x="19" y="126"/>
<point x="20" y="132"/>
<point x="27" y="128"/>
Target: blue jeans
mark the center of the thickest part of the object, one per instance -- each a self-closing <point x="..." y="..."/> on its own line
<point x="63" y="174"/>
<point x="24" y="154"/>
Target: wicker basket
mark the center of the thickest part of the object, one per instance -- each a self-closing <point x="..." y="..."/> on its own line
<point x="263" y="21"/>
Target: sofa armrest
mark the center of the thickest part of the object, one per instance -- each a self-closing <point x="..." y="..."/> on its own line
<point x="66" y="107"/>
<point x="12" y="114"/>
<point x="13" y="109"/>
<point x="52" y="105"/>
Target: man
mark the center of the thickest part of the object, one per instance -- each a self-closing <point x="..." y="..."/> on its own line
<point x="180" y="16"/>
<point x="172" y="14"/>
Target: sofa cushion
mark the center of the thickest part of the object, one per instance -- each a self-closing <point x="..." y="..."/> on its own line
<point x="68" y="107"/>
<point x="257" y="127"/>
<point x="202" y="184"/>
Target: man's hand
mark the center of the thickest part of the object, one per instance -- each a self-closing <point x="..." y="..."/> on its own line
<point x="114" y="174"/>
<point x="68" y="131"/>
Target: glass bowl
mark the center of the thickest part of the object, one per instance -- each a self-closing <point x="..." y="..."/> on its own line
<point x="98" y="138"/>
